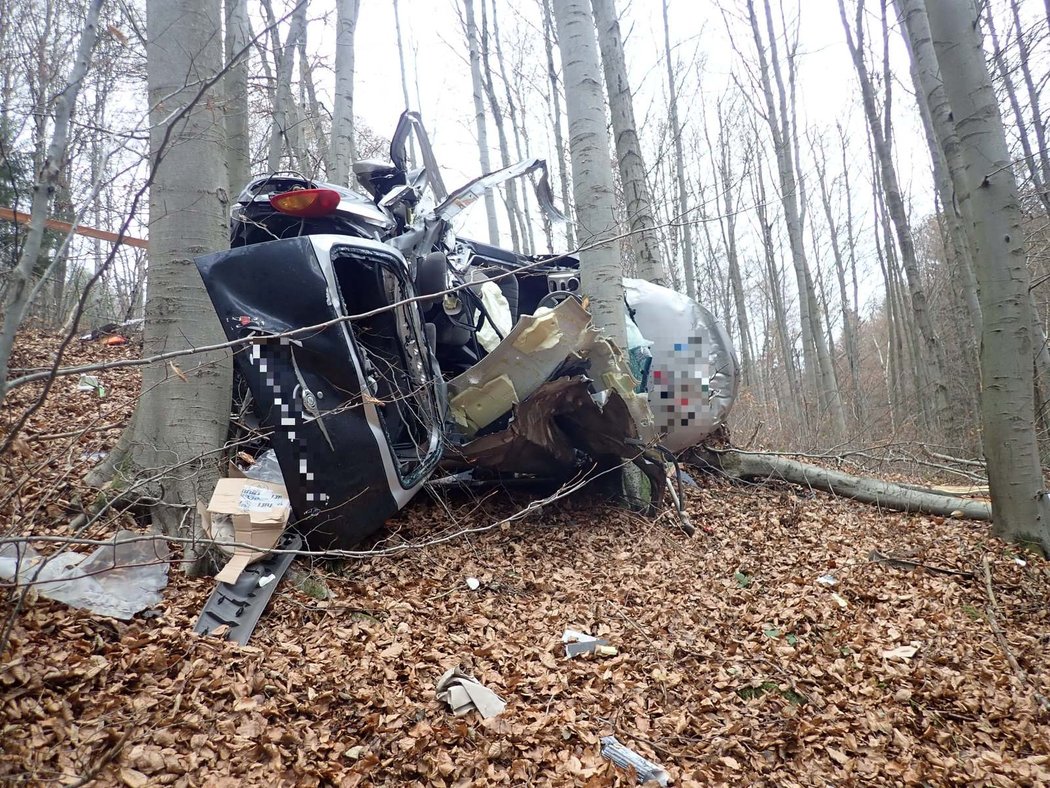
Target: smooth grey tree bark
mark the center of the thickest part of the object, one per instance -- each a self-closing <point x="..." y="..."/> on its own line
<point x="683" y="217"/>
<point x="639" y="204"/>
<point x="941" y="140"/>
<point x="235" y="84"/>
<point x="182" y="416"/>
<point x="341" y="142"/>
<point x="19" y="283"/>
<point x="592" y="177"/>
<point x="1020" y="505"/>
<point x="471" y="31"/>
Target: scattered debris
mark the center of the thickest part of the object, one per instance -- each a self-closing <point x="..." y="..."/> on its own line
<point x="245" y="517"/>
<point x="577" y="643"/>
<point x="626" y="758"/>
<point x="118" y="579"/>
<point x="473" y="583"/>
<point x="901" y="652"/>
<point x="828" y="580"/>
<point x="840" y="601"/>
<point x="91" y="383"/>
<point x="93" y="456"/>
<point x="233" y="609"/>
<point x="463" y="693"/>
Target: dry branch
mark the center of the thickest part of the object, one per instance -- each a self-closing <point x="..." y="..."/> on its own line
<point x="749" y="466"/>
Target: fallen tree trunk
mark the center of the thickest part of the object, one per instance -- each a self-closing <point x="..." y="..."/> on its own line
<point x="749" y="466"/>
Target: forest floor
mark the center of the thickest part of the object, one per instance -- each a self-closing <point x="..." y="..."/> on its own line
<point x="736" y="665"/>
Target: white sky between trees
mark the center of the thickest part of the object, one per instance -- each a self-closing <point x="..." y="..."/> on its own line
<point x="436" y="50"/>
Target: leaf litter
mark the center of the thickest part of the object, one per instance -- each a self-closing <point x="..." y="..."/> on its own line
<point x="766" y="681"/>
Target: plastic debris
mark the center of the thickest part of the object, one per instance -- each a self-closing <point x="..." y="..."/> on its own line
<point x="577" y="643"/>
<point x="265" y="468"/>
<point x="265" y="581"/>
<point x="686" y="479"/>
<point x="463" y="694"/>
<point x="91" y="383"/>
<point x="473" y="583"/>
<point x="626" y="758"/>
<point x="827" y="580"/>
<point x="118" y="579"/>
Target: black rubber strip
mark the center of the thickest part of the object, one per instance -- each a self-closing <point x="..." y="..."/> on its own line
<point x="240" y="605"/>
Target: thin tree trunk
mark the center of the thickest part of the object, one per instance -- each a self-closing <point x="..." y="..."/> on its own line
<point x="591" y="175"/>
<point x="520" y="133"/>
<point x="727" y="222"/>
<point x="284" y="135"/>
<point x="932" y="363"/>
<point x="235" y="85"/>
<point x="818" y="373"/>
<point x="851" y="242"/>
<point x="47" y="176"/>
<point x="404" y="75"/>
<point x="638" y="201"/>
<point x="471" y="30"/>
<point x="341" y="145"/>
<point x="1020" y="505"/>
<point x="849" y="336"/>
<point x="1038" y="126"/>
<point x="1038" y="184"/>
<point x="796" y="393"/>
<point x="313" y="108"/>
<point x="683" y="217"/>
<point x="511" y="187"/>
<point x="555" y="101"/>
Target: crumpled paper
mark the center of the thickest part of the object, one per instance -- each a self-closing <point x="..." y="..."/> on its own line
<point x="463" y="693"/>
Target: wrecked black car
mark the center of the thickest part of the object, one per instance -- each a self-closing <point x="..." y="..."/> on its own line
<point x="422" y="345"/>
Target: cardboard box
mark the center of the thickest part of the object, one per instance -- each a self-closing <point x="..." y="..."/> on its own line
<point x="259" y="512"/>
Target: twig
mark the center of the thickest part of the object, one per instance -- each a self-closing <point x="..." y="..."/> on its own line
<point x="107" y="755"/>
<point x="904" y="563"/>
<point x="993" y="622"/>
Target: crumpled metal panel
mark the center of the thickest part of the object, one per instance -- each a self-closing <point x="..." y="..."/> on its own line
<point x="694" y="376"/>
<point x="314" y="391"/>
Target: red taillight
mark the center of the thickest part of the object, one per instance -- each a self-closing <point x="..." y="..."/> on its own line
<point x="308" y="203"/>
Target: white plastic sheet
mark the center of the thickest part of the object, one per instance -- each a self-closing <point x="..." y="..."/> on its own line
<point x="118" y="580"/>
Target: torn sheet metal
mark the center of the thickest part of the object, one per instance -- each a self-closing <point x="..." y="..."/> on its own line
<point x="467" y="195"/>
<point x="549" y="427"/>
<point x="463" y="694"/>
<point x="520" y="364"/>
<point x="541" y="347"/>
<point x="694" y="376"/>
<point x="117" y="580"/>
